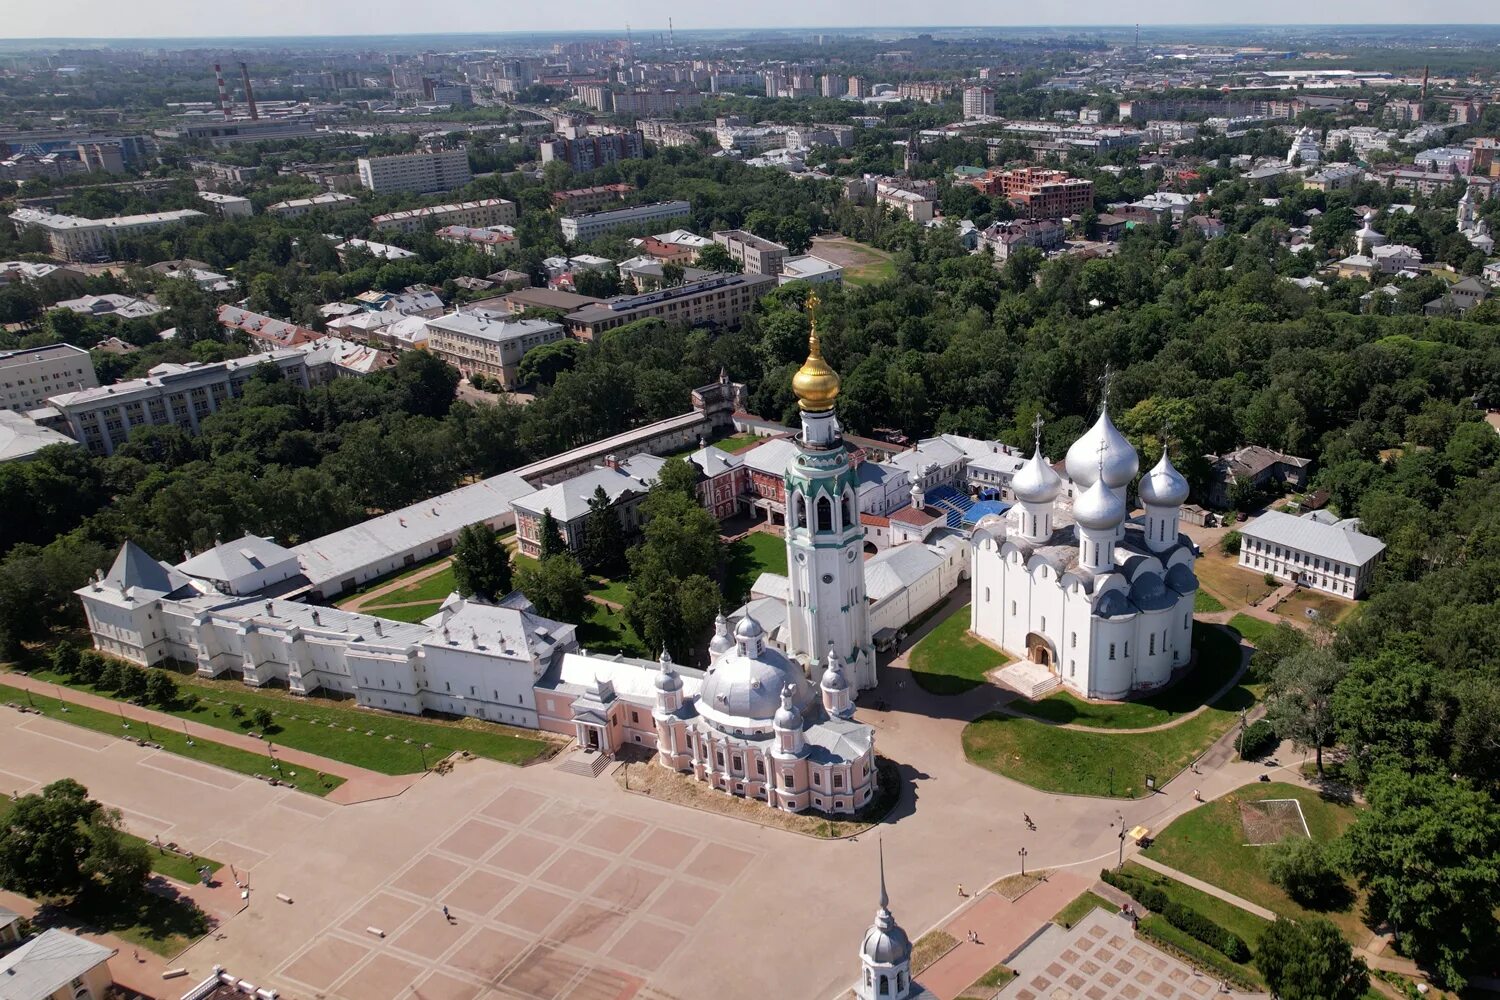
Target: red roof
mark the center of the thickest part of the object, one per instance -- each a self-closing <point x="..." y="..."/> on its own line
<point x="910" y="515"/>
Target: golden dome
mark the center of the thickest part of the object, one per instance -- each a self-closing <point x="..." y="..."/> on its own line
<point x="816" y="384"/>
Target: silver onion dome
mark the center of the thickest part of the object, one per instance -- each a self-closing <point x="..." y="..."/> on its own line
<point x="1164" y="486"/>
<point x="1099" y="509"/>
<point x="1104" y="443"/>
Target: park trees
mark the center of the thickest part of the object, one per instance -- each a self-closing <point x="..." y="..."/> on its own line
<point x="715" y="257"/>
<point x="556" y="587"/>
<point x="59" y="842"/>
<point x="673" y="597"/>
<point x="1301" y="866"/>
<point x="1310" y="960"/>
<point x="1428" y="851"/>
<point x="481" y="563"/>
<point x="1300" y="700"/>
<point x="603" y="539"/>
<point x="550" y="542"/>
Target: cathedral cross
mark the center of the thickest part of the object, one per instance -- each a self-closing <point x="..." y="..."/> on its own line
<point x="1036" y="425"/>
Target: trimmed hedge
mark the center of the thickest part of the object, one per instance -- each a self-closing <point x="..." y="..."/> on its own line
<point x="1258" y="739"/>
<point x="1184" y="918"/>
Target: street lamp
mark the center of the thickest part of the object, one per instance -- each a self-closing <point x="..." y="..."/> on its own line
<point x="1022" y="853"/>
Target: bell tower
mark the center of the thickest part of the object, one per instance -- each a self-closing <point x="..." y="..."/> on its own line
<point x="827" y="608"/>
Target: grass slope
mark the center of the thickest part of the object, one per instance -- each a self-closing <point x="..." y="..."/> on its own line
<point x="1247" y="925"/>
<point x="950" y="661"/>
<point x="1208" y="843"/>
<point x="1081" y="907"/>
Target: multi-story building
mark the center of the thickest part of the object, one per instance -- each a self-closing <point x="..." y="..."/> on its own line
<point x="491" y="240"/>
<point x="224" y="173"/>
<point x="1004" y="238"/>
<point x="979" y="102"/>
<point x="295" y="207"/>
<point x="228" y="206"/>
<point x="102" y="157"/>
<point x="268" y="330"/>
<point x="655" y="102"/>
<point x="416" y="173"/>
<point x="928" y="93"/>
<point x="568" y="503"/>
<point x="589" y="152"/>
<point x="834" y="86"/>
<point x="1038" y="193"/>
<point x="918" y="208"/>
<point x="1313" y="550"/>
<point x="482" y="343"/>
<point x="77" y="239"/>
<point x="590" y="199"/>
<point x="102" y="418"/>
<point x="720" y="301"/>
<point x="28" y="377"/>
<point x="474" y="214"/>
<point x="588" y="226"/>
<point x="759" y="256"/>
<point x="859" y="87"/>
<point x="1445" y="160"/>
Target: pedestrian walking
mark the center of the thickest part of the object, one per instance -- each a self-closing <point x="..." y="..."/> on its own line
<point x="960" y="888"/>
<point x="1197" y="797"/>
<point x="446" y="916"/>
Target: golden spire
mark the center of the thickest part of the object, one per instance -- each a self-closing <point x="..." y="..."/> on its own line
<point x="816" y="384"/>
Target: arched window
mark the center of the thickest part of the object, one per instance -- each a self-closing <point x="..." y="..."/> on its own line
<point x="885" y="986"/>
<point x="844" y="519"/>
<point x="900" y="981"/>
<point x="825" y="514"/>
<point x="800" y="503"/>
<point x="869" y="977"/>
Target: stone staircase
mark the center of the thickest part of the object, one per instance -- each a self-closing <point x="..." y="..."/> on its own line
<point x="586" y="764"/>
<point x="1029" y="680"/>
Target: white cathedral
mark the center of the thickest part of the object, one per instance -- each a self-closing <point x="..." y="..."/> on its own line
<point x="1100" y="602"/>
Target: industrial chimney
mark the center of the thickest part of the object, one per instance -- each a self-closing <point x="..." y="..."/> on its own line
<point x="249" y="93"/>
<point x="223" y="92"/>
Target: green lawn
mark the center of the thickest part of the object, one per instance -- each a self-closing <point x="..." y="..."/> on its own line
<point x="987" y="985"/>
<point x="1081" y="907"/>
<point x="1218" y="659"/>
<point x="1055" y="759"/>
<point x="1208" y="843"/>
<point x="1247" y="925"/>
<point x="608" y="632"/>
<point x="610" y="590"/>
<point x="433" y="588"/>
<point x="1205" y="603"/>
<point x="732" y="443"/>
<point x="862" y="263"/>
<point x="218" y="754"/>
<point x="383" y="581"/>
<point x="175" y="865"/>
<point x="950" y="661"/>
<point x="758" y="552"/>
<point x="411" y="613"/>
<point x="380" y="741"/>
<point x="1253" y="629"/>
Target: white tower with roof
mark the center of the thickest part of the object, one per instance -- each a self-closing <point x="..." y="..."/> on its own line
<point x="885" y="953"/>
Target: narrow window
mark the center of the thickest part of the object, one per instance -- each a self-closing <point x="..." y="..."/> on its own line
<point x="1111" y="651"/>
<point x="825" y="514"/>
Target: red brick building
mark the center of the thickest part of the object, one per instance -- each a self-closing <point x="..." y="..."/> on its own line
<point x="1039" y="193"/>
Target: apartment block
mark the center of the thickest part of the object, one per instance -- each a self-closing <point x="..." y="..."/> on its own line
<point x="656" y="102"/>
<point x="928" y="93"/>
<point x="720" y="301"/>
<point x="472" y="214"/>
<point x="228" y="206"/>
<point x="28" y="377"/>
<point x="979" y="102"/>
<point x="93" y="240"/>
<point x="294" y="207"/>
<point x="491" y="240"/>
<point x="589" y="152"/>
<point x="1038" y="193"/>
<point x="586" y="227"/>
<point x="416" y="173"/>
<point x="590" y="199"/>
<point x="481" y="342"/>
<point x="757" y="255"/>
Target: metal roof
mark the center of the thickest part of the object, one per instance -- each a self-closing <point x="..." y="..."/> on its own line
<point x="1339" y="542"/>
<point x="47" y="963"/>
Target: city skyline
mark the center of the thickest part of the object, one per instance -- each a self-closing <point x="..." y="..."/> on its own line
<point x="181" y="19"/>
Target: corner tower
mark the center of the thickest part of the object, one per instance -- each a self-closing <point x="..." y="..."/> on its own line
<point x="827" y="608"/>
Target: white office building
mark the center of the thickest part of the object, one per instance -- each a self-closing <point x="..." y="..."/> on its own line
<point x="479" y="342"/>
<point x="28" y="377"/>
<point x="586" y="227"/>
<point x="77" y="239"/>
<point x="472" y="214"/>
<point x="1314" y="550"/>
<point x="416" y="173"/>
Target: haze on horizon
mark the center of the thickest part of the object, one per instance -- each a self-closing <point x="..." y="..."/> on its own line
<point x="101" y="19"/>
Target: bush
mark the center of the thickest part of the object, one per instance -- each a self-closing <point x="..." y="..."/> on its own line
<point x="111" y="675"/>
<point x="1148" y="896"/>
<point x="1230" y="543"/>
<point x="88" y="667"/>
<point x="1302" y="868"/>
<point x="1271" y="581"/>
<point x="1258" y="739"/>
<point x="64" y="659"/>
<point x="262" y="718"/>
<point x="1184" y="918"/>
<point x="132" y="682"/>
<point x="161" y="689"/>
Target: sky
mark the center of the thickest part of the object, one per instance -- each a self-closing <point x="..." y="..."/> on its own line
<point x="193" y="18"/>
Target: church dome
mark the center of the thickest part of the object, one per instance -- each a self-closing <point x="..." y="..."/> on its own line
<point x="1037" y="482"/>
<point x="1148" y="593"/>
<point x="1099" y="509"/>
<point x="833" y="677"/>
<point x="885" y="942"/>
<point x="1121" y="463"/>
<point x="750" y="687"/>
<point x="748" y="628"/>
<point x="1182" y="579"/>
<point x="1164" y="486"/>
<point x="667" y="679"/>
<point x="787" y="716"/>
<point x="722" y="642"/>
<point x="816" y="384"/>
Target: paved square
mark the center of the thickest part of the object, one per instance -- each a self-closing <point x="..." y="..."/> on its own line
<point x="559" y="820"/>
<point x="384" y="911"/>
<point x="523" y="854"/>
<point x="429" y="937"/>
<point x="646" y="944"/>
<point x="479" y="892"/>
<point x="626" y="887"/>
<point x="664" y="848"/>
<point x="574" y="870"/>
<point x="533" y="910"/>
<point x="685" y="903"/>
<point x="514" y="805"/>
<point x="613" y="835"/>
<point x="720" y="864"/>
<point x="429" y="876"/>
<point x="543" y="973"/>
<point x="441" y="986"/>
<point x="474" y="839"/>
<point x="486" y="952"/>
<point x="383" y="978"/>
<point x="588" y="925"/>
<point x="327" y="960"/>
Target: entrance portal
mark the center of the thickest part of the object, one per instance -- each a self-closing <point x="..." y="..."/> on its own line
<point x="1039" y="651"/>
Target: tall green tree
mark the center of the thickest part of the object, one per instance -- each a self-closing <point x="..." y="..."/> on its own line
<point x="603" y="539"/>
<point x="557" y="588"/>
<point x="1300" y="700"/>
<point x="551" y="541"/>
<point x="1428" y="851"/>
<point x="43" y="842"/>
<point x="481" y="563"/>
<point x="1310" y="960"/>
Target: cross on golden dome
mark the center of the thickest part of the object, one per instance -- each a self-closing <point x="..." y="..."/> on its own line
<point x="816" y="384"/>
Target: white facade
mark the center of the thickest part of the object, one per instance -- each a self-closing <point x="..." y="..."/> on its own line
<point x="417" y="173"/>
<point x="29" y="377"/>
<point x="473" y="214"/>
<point x="478" y="343"/>
<point x="979" y="102"/>
<point x="228" y="206"/>
<point x="1105" y="605"/>
<point x="76" y="239"/>
<point x="294" y="207"/>
<point x="1312" y="550"/>
<point x="586" y="227"/>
